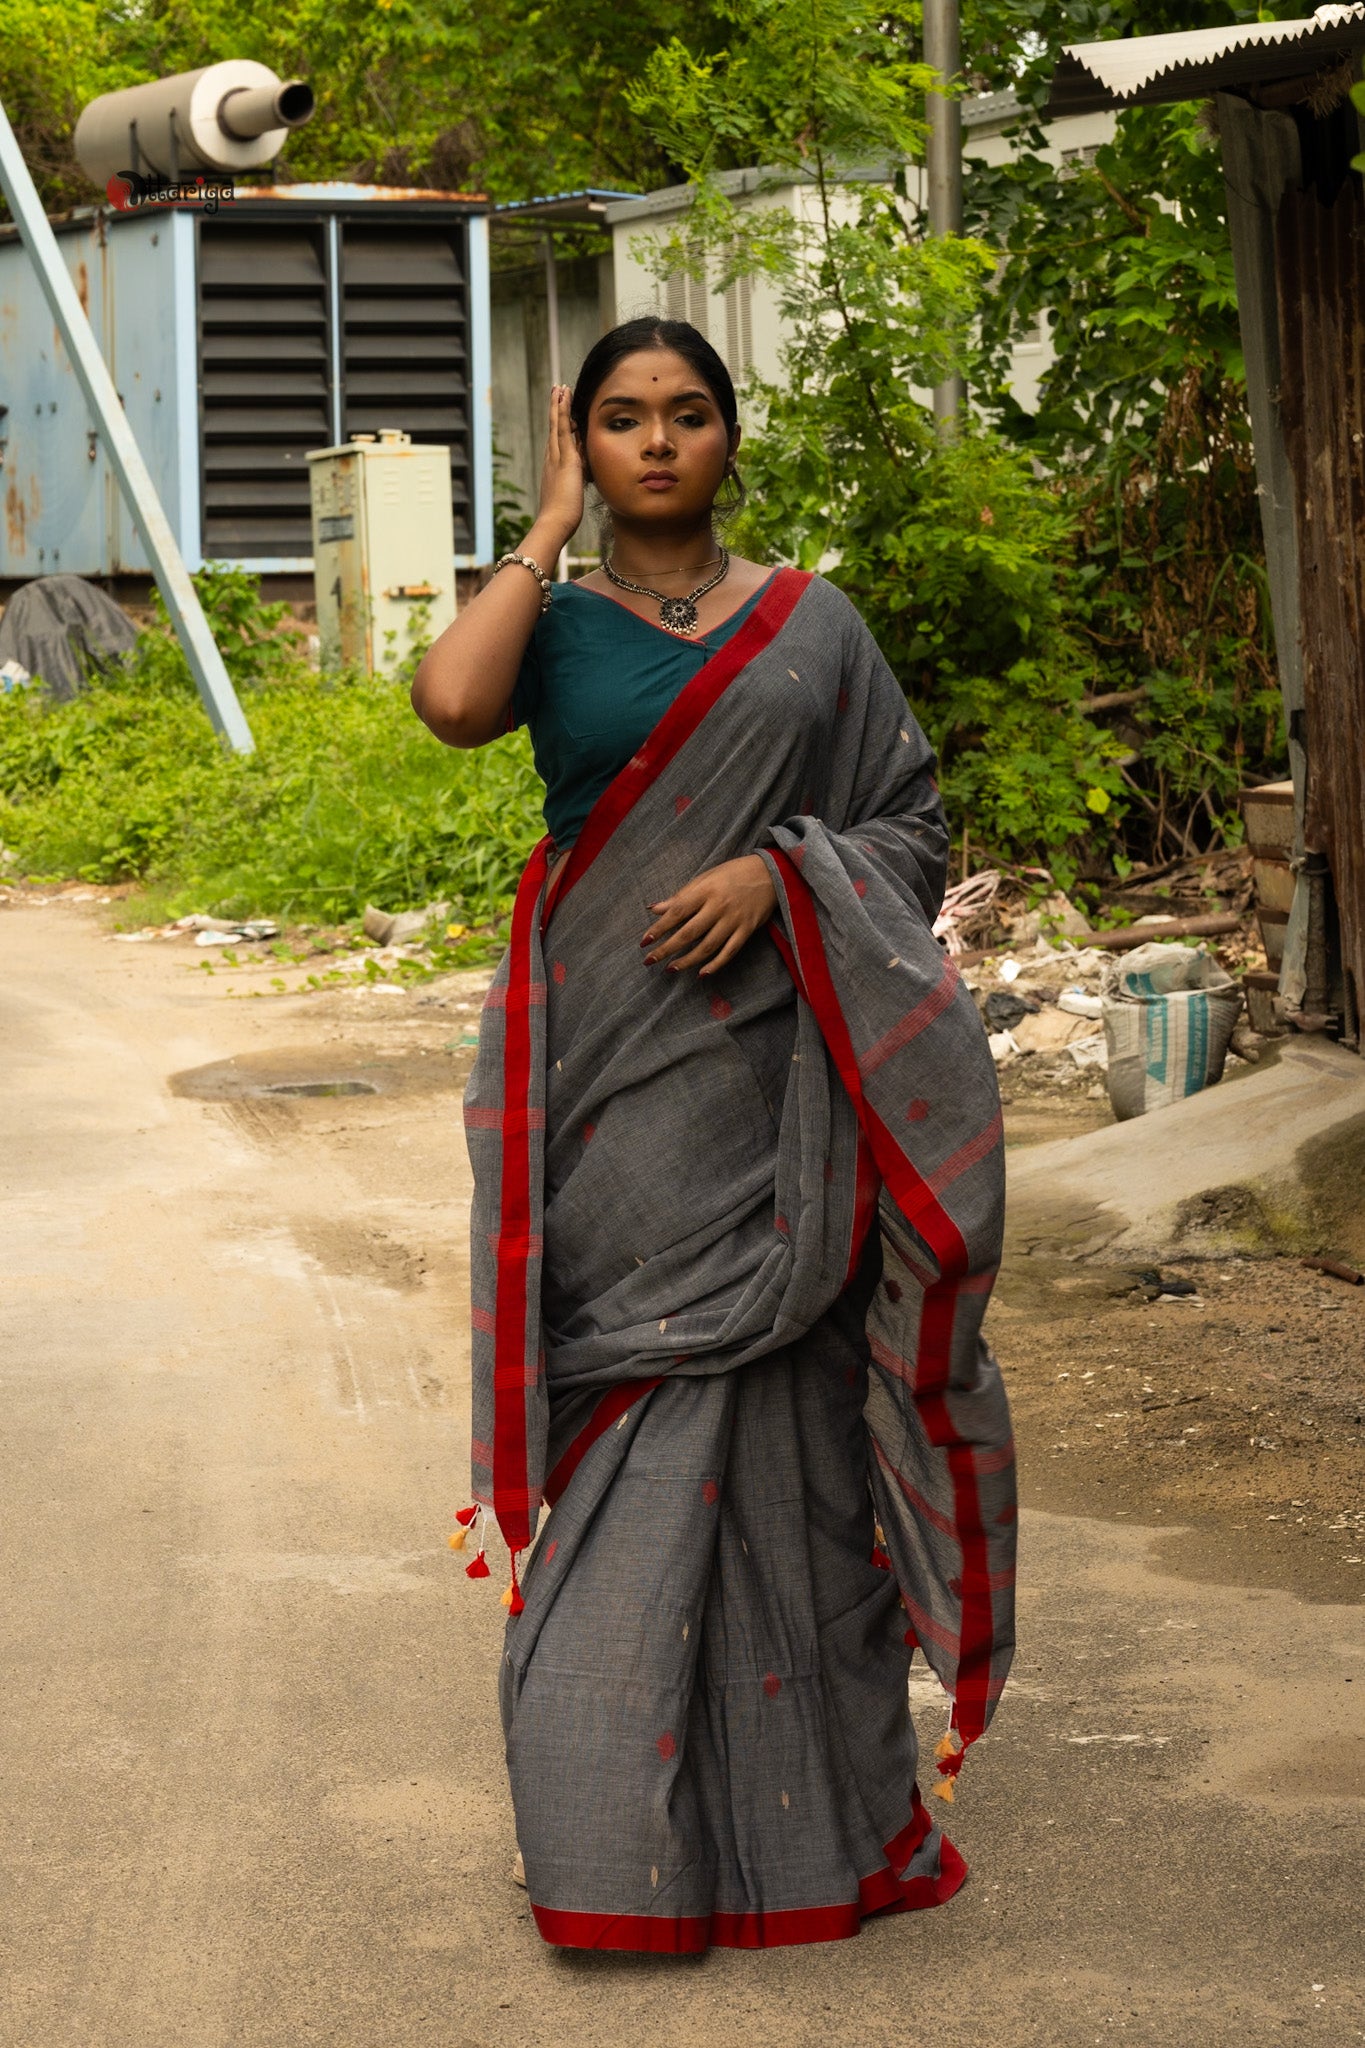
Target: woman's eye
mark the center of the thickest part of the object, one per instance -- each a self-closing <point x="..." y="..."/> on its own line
<point x="690" y="419"/>
<point x="621" y="420"/>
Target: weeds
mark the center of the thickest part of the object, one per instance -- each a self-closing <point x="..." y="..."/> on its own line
<point x="347" y="800"/>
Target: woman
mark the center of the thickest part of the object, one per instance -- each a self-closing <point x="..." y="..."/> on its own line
<point x="723" y="1044"/>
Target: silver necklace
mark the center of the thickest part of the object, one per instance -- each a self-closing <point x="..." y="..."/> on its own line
<point x="676" y="614"/>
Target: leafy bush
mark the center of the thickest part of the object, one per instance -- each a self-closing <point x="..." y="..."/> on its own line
<point x="347" y="799"/>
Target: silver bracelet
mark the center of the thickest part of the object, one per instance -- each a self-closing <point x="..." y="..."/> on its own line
<point x="546" y="587"/>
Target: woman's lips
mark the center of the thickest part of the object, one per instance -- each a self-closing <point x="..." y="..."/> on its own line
<point x="658" y="480"/>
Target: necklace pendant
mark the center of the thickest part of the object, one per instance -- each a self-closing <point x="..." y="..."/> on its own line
<point x="678" y="615"/>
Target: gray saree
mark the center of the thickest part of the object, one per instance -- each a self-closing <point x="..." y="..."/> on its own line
<point x="733" y="1240"/>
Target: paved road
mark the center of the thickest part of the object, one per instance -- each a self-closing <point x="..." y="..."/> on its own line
<point x="254" y="1792"/>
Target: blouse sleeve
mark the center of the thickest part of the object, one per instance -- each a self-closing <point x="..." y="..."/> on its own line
<point x="526" y="690"/>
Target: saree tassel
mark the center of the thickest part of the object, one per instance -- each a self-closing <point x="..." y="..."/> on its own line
<point x="951" y="1753"/>
<point x="479" y="1568"/>
<point x="512" y="1599"/>
<point x="458" y="1538"/>
<point x="880" y="1558"/>
<point x="464" y="1516"/>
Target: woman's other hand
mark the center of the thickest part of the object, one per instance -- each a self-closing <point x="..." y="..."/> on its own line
<point x="561" y="473"/>
<point x="707" y="922"/>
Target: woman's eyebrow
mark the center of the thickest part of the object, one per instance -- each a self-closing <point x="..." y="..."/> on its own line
<point x="679" y="398"/>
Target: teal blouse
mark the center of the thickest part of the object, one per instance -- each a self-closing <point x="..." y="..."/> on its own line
<point x="595" y="680"/>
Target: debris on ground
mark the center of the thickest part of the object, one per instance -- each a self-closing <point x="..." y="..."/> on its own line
<point x="396" y="928"/>
<point x="62" y="630"/>
<point x="1336" y="1270"/>
<point x="967" y="910"/>
<point x="1169" y="1012"/>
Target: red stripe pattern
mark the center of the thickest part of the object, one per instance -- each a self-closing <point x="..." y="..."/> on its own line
<point x="678" y="724"/>
<point x="884" y="1891"/>
<point x="917" y="1199"/>
<point x="512" y="1503"/>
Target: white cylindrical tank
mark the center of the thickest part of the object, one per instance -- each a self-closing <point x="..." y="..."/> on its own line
<point x="232" y="116"/>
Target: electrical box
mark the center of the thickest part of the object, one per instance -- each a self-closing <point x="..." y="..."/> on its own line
<point x="383" y="548"/>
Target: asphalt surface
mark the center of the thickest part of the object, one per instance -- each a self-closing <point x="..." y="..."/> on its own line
<point x="254" y="1791"/>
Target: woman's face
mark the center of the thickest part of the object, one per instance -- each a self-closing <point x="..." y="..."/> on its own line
<point x="657" y="446"/>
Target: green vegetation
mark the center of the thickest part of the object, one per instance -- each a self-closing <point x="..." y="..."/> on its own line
<point x="502" y="97"/>
<point x="1073" y="597"/>
<point x="348" y="799"/>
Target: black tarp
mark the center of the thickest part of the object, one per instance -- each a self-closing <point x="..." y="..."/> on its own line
<point x="62" y="629"/>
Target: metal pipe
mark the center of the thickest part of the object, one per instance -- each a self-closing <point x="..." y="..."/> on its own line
<point x="251" y="110"/>
<point x="556" y="362"/>
<point x="943" y="164"/>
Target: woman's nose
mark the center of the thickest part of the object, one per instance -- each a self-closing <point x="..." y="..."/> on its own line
<point x="658" y="441"/>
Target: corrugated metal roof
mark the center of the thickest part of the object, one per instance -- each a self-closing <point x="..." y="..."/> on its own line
<point x="1134" y="69"/>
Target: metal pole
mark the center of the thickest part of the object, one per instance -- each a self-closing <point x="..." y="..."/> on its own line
<point x="92" y="374"/>
<point x="556" y="361"/>
<point x="943" y="165"/>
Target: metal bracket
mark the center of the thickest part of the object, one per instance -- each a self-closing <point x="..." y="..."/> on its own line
<point x="125" y="457"/>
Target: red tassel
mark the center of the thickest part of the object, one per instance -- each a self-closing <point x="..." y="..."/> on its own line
<point x="951" y="1753"/>
<point x="479" y="1568"/>
<point x="516" y="1605"/>
<point x="464" y="1516"/>
<point x="880" y="1558"/>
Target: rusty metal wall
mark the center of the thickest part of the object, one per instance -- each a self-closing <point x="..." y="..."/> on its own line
<point x="1320" y="255"/>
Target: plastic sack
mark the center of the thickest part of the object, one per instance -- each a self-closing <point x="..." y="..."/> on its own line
<point x="1169" y="1011"/>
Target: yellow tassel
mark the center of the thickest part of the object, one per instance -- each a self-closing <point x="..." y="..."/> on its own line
<point x="456" y="1539"/>
<point x="947" y="1745"/>
<point x="944" y="1790"/>
<point x="507" y="1597"/>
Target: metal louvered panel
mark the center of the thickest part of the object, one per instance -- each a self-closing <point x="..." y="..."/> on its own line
<point x="265" y="382"/>
<point x="405" y="342"/>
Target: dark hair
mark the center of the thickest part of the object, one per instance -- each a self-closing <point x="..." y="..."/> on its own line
<point x="685" y="341"/>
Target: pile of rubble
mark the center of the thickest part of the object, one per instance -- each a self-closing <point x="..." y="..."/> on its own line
<point x="1043" y="1002"/>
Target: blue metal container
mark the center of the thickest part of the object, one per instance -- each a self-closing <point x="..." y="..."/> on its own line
<point x="288" y="320"/>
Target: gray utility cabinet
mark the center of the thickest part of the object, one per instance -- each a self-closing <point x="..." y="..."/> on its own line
<point x="289" y="320"/>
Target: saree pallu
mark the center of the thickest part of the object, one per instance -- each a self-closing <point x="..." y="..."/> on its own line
<point x="733" y="1239"/>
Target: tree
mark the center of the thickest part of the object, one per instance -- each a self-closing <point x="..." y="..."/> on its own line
<point x="1142" y="415"/>
<point x="507" y="97"/>
<point x="960" y="558"/>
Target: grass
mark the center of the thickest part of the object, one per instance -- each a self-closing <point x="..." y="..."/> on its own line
<point x="348" y="800"/>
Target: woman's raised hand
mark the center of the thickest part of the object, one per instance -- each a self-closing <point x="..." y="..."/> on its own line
<point x="561" y="474"/>
<point x="707" y="922"/>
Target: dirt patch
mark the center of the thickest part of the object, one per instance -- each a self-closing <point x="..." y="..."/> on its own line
<point x="1236" y="1413"/>
<point x="284" y="1079"/>
<point x="355" y="1251"/>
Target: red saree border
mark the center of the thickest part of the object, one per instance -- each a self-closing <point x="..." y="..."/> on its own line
<point x="511" y="1503"/>
<point x="678" y="724"/>
<point x="692" y="1934"/>
<point x="616" y="1402"/>
<point x="511" y="1486"/>
<point x="915" y="1198"/>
